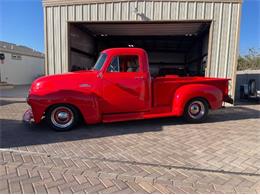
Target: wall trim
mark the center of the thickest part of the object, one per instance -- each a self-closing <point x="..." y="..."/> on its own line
<point x="80" y="2"/>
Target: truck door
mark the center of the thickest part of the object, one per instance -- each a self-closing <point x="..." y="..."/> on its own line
<point x="125" y="86"/>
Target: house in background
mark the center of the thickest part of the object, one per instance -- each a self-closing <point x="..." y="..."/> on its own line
<point x="19" y="65"/>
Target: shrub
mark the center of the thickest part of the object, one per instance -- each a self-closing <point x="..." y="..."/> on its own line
<point x="250" y="61"/>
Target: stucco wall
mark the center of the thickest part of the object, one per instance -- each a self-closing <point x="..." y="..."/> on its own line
<point x="21" y="72"/>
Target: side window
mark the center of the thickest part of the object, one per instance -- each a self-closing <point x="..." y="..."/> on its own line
<point x="124" y="63"/>
<point x="114" y="65"/>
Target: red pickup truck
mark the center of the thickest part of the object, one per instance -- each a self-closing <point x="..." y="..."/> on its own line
<point x="118" y="88"/>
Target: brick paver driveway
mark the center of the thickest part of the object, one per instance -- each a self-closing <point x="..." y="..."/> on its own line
<point x="152" y="156"/>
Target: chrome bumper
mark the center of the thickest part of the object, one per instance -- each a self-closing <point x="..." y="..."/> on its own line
<point x="28" y="116"/>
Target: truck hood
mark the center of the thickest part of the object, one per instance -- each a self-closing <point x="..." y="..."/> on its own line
<point x="80" y="80"/>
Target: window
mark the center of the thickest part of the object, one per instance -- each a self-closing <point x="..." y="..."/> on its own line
<point x="2" y="56"/>
<point x="100" y="61"/>
<point x="114" y="65"/>
<point x="16" y="57"/>
<point x="125" y="63"/>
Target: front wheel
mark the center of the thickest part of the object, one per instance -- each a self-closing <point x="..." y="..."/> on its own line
<point x="62" y="117"/>
<point x="196" y="110"/>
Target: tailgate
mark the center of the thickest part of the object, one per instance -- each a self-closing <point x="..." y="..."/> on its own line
<point x="223" y="85"/>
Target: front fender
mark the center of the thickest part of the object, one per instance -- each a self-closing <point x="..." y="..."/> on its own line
<point x="184" y="94"/>
<point x="86" y="103"/>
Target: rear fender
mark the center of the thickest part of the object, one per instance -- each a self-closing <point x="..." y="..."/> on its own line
<point x="184" y="94"/>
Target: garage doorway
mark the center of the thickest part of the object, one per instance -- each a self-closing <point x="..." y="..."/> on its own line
<point x="179" y="48"/>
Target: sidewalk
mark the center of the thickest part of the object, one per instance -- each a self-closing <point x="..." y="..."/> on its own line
<point x="18" y="93"/>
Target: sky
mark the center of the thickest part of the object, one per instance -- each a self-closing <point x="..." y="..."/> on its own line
<point x="21" y="22"/>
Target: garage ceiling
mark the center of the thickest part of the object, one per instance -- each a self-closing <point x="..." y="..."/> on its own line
<point x="176" y="37"/>
<point x="149" y="43"/>
<point x="144" y="29"/>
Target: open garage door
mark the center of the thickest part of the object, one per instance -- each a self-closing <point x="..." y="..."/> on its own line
<point x="173" y="47"/>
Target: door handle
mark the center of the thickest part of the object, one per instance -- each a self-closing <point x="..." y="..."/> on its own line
<point x="139" y="77"/>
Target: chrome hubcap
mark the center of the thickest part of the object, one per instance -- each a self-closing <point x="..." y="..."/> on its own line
<point x="196" y="110"/>
<point x="62" y="117"/>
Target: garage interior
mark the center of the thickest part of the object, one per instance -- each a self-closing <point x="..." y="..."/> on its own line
<point x="179" y="48"/>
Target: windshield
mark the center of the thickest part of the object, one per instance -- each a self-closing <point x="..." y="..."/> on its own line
<point x="100" y="61"/>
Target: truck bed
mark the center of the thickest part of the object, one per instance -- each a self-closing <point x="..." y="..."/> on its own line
<point x="163" y="88"/>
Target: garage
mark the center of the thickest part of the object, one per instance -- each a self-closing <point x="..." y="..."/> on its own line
<point x="172" y="47"/>
<point x="183" y="37"/>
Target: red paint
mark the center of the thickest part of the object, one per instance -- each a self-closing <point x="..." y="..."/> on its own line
<point x="103" y="96"/>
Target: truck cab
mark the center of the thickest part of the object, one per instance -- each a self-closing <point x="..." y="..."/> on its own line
<point x="126" y="81"/>
<point x="120" y="87"/>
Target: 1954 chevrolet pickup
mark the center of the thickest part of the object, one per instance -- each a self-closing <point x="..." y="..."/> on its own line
<point x="118" y="88"/>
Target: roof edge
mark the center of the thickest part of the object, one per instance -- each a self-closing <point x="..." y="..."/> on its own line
<point x="36" y="55"/>
<point x="76" y="2"/>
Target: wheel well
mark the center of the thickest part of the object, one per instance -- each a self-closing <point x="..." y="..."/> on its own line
<point x="63" y="104"/>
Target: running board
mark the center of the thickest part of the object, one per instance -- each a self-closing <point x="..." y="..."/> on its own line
<point x="133" y="116"/>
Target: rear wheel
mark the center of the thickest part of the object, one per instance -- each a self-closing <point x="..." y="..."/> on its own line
<point x="196" y="110"/>
<point x="62" y="117"/>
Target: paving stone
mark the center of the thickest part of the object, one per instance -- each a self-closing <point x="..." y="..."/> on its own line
<point x="124" y="191"/>
<point x="147" y="187"/>
<point x="40" y="188"/>
<point x="80" y="187"/>
<point x="107" y="182"/>
<point x="163" y="189"/>
<point x="126" y="177"/>
<point x="95" y="188"/>
<point x="27" y="188"/>
<point x="4" y="191"/>
<point x="53" y="190"/>
<point x="136" y="187"/>
<point x="15" y="187"/>
<point x="109" y="190"/>
<point x="3" y="184"/>
<point x="120" y="184"/>
<point x="80" y="179"/>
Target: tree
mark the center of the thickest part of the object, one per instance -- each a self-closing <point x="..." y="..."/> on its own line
<point x="251" y="61"/>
